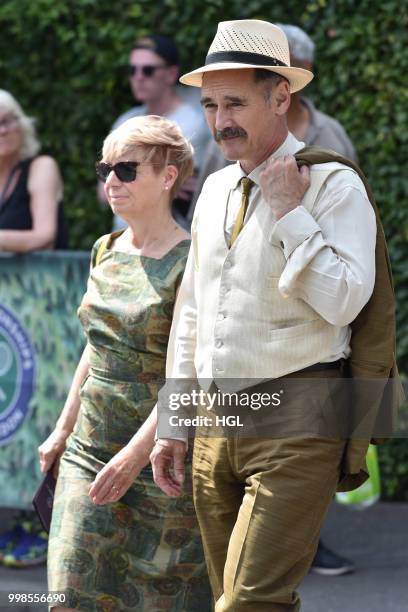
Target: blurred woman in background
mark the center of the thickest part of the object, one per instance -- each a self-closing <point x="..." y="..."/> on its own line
<point x="31" y="218"/>
<point x="31" y="187"/>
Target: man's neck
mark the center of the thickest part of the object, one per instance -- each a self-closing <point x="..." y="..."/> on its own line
<point x="280" y="137"/>
<point x="298" y="117"/>
<point x="165" y="105"/>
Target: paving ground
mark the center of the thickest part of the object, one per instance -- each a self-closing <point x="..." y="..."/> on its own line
<point x="376" y="539"/>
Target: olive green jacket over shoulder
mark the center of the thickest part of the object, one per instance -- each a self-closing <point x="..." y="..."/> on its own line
<point x="376" y="386"/>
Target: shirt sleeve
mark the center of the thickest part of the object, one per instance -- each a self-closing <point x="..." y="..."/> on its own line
<point x="182" y="340"/>
<point x="330" y="253"/>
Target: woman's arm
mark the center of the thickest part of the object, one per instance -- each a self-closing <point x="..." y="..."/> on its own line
<point x="45" y="189"/>
<point x="54" y="445"/>
<point x="119" y="473"/>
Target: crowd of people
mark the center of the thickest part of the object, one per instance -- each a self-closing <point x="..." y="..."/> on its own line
<point x="279" y="263"/>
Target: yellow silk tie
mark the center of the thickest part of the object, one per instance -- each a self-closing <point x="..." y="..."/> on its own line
<point x="246" y="185"/>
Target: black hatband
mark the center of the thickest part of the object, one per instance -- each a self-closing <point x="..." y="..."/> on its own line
<point x="243" y="57"/>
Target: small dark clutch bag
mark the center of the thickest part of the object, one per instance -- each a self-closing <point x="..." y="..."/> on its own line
<point x="44" y="498"/>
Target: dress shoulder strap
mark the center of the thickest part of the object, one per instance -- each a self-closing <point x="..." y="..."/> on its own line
<point x="105" y="244"/>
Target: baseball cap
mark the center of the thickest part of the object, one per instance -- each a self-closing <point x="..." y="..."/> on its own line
<point x="161" y="45"/>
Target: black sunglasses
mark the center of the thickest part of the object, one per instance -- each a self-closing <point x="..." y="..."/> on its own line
<point x="125" y="171"/>
<point x="147" y="70"/>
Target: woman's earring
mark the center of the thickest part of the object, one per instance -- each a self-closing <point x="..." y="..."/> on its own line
<point x="166" y="187"/>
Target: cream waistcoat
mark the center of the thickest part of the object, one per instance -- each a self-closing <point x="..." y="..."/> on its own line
<point x="246" y="331"/>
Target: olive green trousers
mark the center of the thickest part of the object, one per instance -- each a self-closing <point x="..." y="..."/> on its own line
<point x="260" y="504"/>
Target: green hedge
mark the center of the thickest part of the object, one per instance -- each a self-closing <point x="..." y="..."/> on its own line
<point x="64" y="60"/>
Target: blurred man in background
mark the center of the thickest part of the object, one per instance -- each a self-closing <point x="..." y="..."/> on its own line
<point x="153" y="74"/>
<point x="307" y="123"/>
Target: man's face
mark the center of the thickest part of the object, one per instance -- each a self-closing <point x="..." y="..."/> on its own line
<point x="246" y="124"/>
<point x="151" y="75"/>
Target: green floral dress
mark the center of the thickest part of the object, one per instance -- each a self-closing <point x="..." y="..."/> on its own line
<point x="143" y="552"/>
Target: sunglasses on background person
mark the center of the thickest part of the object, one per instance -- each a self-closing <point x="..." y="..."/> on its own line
<point x="125" y="171"/>
<point x="147" y="70"/>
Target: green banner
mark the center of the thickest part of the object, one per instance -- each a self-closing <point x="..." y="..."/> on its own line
<point x="40" y="343"/>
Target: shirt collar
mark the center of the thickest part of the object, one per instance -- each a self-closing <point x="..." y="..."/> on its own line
<point x="290" y="146"/>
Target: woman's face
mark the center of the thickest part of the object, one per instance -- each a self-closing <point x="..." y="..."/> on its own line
<point x="151" y="188"/>
<point x="10" y="134"/>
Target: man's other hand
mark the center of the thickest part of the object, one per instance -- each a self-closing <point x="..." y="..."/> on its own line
<point x="167" y="458"/>
<point x="283" y="184"/>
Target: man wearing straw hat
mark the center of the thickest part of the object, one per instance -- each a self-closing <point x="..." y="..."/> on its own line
<point x="282" y="261"/>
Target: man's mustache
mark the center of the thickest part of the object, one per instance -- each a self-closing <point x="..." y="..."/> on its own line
<point x="229" y="132"/>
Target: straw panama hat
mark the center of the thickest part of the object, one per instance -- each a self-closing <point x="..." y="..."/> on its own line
<point x="249" y="43"/>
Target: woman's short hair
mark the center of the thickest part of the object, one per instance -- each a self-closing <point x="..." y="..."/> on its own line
<point x="161" y="140"/>
<point x="30" y="145"/>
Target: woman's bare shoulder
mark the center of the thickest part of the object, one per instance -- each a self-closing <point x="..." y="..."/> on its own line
<point x="44" y="168"/>
<point x="44" y="163"/>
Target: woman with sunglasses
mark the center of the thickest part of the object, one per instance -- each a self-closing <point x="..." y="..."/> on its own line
<point x="30" y="186"/>
<point x="117" y="542"/>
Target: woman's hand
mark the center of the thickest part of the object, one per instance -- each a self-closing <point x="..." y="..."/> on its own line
<point x="51" y="450"/>
<point x="118" y="475"/>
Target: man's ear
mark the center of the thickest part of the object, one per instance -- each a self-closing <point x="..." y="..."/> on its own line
<point x="172" y="75"/>
<point x="282" y="97"/>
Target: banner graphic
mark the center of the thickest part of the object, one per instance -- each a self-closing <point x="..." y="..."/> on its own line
<point x="41" y="341"/>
